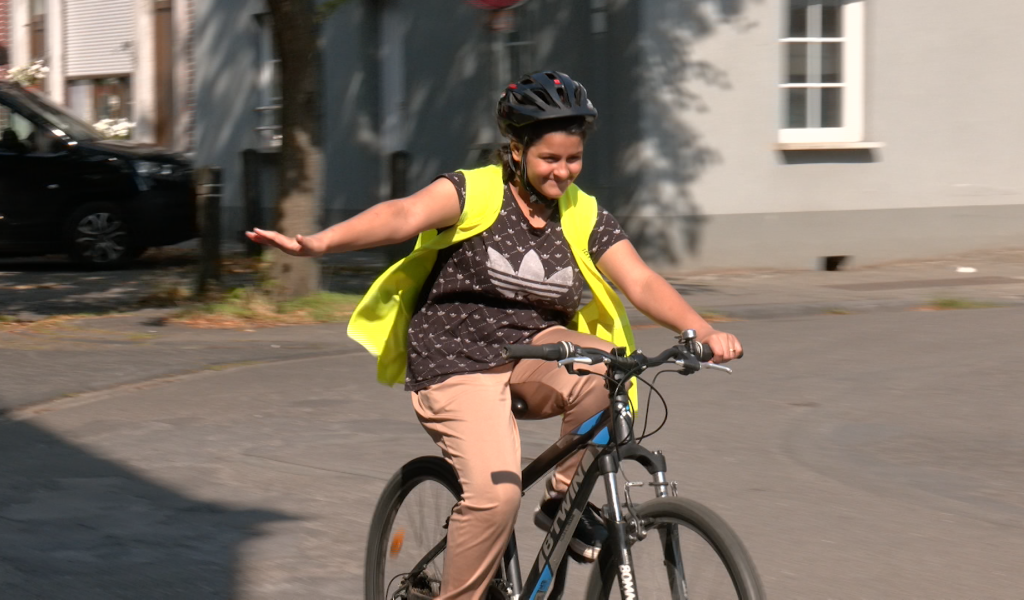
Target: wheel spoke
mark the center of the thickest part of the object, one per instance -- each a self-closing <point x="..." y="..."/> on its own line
<point x="672" y="555"/>
<point x="421" y="520"/>
<point x="706" y="578"/>
<point x="685" y="553"/>
<point x="405" y="556"/>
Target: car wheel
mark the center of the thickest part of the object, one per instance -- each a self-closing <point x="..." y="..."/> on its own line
<point x="99" y="236"/>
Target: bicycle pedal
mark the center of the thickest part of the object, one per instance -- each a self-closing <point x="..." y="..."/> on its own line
<point x="579" y="558"/>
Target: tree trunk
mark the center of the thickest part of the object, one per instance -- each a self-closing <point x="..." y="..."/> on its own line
<point x="298" y="208"/>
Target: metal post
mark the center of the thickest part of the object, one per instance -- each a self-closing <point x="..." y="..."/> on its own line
<point x="251" y="194"/>
<point x="208" y="193"/>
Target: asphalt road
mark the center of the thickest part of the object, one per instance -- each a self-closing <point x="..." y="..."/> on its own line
<point x="873" y="456"/>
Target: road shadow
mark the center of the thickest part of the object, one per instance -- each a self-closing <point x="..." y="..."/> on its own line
<point x="32" y="288"/>
<point x="78" y="527"/>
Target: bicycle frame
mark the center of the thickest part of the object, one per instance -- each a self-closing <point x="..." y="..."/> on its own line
<point x="601" y="459"/>
<point x="607" y="440"/>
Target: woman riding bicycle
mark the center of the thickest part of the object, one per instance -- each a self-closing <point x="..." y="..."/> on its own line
<point x="503" y="257"/>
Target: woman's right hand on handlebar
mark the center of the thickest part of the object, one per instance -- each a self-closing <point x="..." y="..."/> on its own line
<point x="725" y="346"/>
<point x="299" y="245"/>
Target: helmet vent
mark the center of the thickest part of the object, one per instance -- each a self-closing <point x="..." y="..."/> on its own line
<point x="544" y="97"/>
<point x="540" y="96"/>
<point x="531" y="100"/>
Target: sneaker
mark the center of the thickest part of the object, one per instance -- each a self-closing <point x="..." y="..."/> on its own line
<point x="590" y="531"/>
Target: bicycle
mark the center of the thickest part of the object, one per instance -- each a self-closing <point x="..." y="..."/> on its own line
<point x="683" y="526"/>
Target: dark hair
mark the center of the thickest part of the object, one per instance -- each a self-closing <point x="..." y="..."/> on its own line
<point x="528" y="135"/>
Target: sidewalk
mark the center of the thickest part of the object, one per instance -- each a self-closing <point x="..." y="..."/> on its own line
<point x="993" y="277"/>
<point x="78" y="357"/>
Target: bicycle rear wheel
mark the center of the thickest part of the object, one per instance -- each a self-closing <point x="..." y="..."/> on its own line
<point x="687" y="552"/>
<point x="405" y="550"/>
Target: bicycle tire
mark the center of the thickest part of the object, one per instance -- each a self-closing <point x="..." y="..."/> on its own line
<point x="386" y="551"/>
<point x="734" y="577"/>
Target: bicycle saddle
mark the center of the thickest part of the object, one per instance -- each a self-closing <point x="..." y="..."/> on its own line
<point x="519" y="407"/>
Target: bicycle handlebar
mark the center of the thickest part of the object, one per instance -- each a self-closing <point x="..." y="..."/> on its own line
<point x="691" y="355"/>
<point x="556" y="351"/>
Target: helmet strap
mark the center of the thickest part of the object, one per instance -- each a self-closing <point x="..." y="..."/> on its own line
<point x="533" y="194"/>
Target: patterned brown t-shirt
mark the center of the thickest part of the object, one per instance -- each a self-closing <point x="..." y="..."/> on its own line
<point x="499" y="287"/>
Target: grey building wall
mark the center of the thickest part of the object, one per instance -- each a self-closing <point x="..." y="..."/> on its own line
<point x="452" y="68"/>
<point x="603" y="54"/>
<point x="433" y="62"/>
<point x="353" y="164"/>
<point x="227" y="91"/>
<point x="226" y="43"/>
<point x="685" y="151"/>
<point x="938" y="98"/>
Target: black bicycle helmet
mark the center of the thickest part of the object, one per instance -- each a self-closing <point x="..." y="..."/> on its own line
<point x="541" y="96"/>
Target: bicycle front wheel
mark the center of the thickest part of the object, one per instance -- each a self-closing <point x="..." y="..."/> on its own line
<point x="681" y="550"/>
<point x="405" y="550"/>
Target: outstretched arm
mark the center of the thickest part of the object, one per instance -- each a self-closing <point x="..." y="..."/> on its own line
<point x="391" y="222"/>
<point x="653" y="296"/>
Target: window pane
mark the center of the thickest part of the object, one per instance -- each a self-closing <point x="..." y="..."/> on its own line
<point x="796" y="62"/>
<point x="832" y="107"/>
<point x="832" y="62"/>
<point x="796" y="108"/>
<point x="831" y="20"/>
<point x="797" y="18"/>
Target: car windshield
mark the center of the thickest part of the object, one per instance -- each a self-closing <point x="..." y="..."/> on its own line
<point x="59" y="117"/>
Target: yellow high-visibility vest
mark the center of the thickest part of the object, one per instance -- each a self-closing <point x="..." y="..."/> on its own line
<point x="380" y="322"/>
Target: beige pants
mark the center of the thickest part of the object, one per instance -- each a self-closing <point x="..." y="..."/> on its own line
<point x="470" y="418"/>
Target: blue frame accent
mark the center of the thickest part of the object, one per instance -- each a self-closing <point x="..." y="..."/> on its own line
<point x="543" y="583"/>
<point x="587" y="425"/>
<point x="602" y="438"/>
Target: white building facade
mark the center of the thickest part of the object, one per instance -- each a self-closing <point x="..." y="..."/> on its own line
<point x="113" y="59"/>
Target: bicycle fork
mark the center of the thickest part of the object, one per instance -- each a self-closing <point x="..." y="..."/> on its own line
<point x="625" y="529"/>
<point x="618" y="531"/>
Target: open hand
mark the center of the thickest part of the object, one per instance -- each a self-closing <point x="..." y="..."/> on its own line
<point x="299" y="245"/>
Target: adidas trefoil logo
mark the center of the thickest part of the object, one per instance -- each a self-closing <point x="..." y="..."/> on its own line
<point x="529" y="280"/>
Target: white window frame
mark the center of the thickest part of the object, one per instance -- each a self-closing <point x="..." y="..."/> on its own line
<point x="853" y="96"/>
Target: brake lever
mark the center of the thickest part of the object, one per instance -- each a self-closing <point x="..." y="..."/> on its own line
<point x="583" y="360"/>
<point x="687" y="364"/>
<point x="691" y="365"/>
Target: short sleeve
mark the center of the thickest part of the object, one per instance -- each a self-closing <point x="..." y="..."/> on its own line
<point x="459" y="181"/>
<point x="607" y="232"/>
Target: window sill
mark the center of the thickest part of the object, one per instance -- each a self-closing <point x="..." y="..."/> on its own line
<point x="786" y="146"/>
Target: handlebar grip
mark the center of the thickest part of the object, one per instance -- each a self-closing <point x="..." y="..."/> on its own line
<point x="557" y="351"/>
<point x="704" y="352"/>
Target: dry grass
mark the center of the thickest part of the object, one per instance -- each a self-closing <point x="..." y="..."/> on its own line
<point x="46" y="324"/>
<point x="955" y="304"/>
<point x="251" y="308"/>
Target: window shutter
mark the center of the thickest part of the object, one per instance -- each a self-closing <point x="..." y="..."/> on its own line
<point x="100" y="37"/>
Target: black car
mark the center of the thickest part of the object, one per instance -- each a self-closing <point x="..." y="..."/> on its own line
<point x="65" y="189"/>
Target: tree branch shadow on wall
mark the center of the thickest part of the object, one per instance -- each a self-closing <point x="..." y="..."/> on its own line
<point x="664" y="219"/>
<point x="76" y="526"/>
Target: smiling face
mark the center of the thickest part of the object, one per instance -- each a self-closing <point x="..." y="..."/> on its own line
<point x="553" y="162"/>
